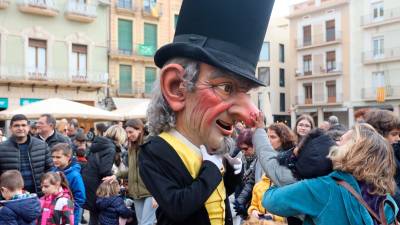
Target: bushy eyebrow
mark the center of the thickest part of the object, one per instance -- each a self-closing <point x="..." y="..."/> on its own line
<point x="243" y="83"/>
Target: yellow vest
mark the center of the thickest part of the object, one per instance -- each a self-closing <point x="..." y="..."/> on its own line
<point x="215" y="204"/>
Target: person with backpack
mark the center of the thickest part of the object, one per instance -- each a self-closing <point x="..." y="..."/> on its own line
<point x="356" y="192"/>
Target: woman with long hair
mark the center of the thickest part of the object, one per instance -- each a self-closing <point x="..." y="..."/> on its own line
<point x="363" y="164"/>
<point x="304" y="124"/>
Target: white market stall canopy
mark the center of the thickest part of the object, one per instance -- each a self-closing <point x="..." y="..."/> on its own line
<point x="61" y="108"/>
<point x="131" y="108"/>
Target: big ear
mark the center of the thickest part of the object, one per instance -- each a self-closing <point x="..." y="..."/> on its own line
<point x="172" y="86"/>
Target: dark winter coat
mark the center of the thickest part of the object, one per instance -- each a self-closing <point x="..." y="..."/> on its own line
<point x="100" y="161"/>
<point x="39" y="155"/>
<point x="56" y="138"/>
<point x="396" y="196"/>
<point x="21" y="211"/>
<point x="244" y="193"/>
<point x="110" y="209"/>
<point x="181" y="198"/>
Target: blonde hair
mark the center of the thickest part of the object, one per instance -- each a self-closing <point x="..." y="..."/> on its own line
<point x="117" y="134"/>
<point x="368" y="157"/>
<point x="254" y="221"/>
<point x="108" y="189"/>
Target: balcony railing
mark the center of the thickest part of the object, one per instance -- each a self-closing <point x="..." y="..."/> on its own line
<point x="137" y="89"/>
<point x="319" y="39"/>
<point x="4" y="4"/>
<point x="81" y="11"/>
<point x="125" y="5"/>
<point x="319" y="99"/>
<point x="40" y="7"/>
<point x="379" y="55"/>
<point x="51" y="75"/>
<point x="150" y="10"/>
<point x="135" y="50"/>
<point x="334" y="68"/>
<point x="390" y="91"/>
<point x="388" y="16"/>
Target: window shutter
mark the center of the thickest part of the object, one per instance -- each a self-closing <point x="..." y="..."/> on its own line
<point x="330" y="24"/>
<point x="125" y="79"/>
<point x="79" y="48"/>
<point x="331" y="56"/>
<point x="150" y="77"/>
<point x="37" y="43"/>
<point x="125" y="35"/>
<point x="150" y="35"/>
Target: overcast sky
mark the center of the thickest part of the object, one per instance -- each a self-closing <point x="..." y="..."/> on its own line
<point x="281" y="7"/>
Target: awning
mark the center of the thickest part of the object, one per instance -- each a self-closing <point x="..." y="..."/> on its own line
<point x="61" y="108"/>
<point x="131" y="108"/>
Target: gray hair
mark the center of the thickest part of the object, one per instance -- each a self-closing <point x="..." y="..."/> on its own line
<point x="50" y="119"/>
<point x="159" y="114"/>
<point x="333" y="120"/>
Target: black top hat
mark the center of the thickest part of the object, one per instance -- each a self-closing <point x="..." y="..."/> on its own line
<point x="227" y="34"/>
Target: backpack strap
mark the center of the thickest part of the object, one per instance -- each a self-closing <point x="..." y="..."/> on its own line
<point x="382" y="210"/>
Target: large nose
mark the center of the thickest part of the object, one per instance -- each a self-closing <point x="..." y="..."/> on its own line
<point x="243" y="109"/>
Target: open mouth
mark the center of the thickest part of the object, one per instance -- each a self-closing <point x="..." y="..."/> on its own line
<point x="226" y="128"/>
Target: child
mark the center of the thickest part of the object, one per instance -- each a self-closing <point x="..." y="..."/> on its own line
<point x="111" y="206"/>
<point x="256" y="210"/>
<point x="64" y="162"/>
<point x="57" y="204"/>
<point x="18" y="207"/>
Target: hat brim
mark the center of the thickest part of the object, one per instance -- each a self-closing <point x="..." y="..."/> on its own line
<point x="207" y="55"/>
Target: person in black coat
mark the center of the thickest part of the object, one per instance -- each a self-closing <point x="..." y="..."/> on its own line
<point x="99" y="164"/>
<point x="46" y="129"/>
<point x="25" y="153"/>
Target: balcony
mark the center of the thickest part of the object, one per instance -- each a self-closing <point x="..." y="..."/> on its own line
<point x="4" y="4"/>
<point x="381" y="55"/>
<point x="80" y="11"/>
<point x="389" y="16"/>
<point x="138" y="52"/>
<point x="319" y="99"/>
<point x="38" y="7"/>
<point x="52" y="77"/>
<point x="152" y="11"/>
<point x="320" y="71"/>
<point x="319" y="40"/>
<point x="311" y="6"/>
<point x="137" y="90"/>
<point x="126" y="7"/>
<point x="390" y="92"/>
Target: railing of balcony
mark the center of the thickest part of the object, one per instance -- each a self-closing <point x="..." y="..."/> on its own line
<point x="137" y="88"/>
<point x="319" y="98"/>
<point x="389" y="14"/>
<point x="332" y="67"/>
<point x="52" y="74"/>
<point x="45" y="4"/>
<point x="154" y="10"/>
<point x="381" y="54"/>
<point x="318" y="39"/>
<point x="125" y="4"/>
<point x="392" y="91"/>
<point x="134" y="50"/>
<point x="81" y="8"/>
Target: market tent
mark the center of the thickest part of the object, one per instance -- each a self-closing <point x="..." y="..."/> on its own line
<point x="61" y="108"/>
<point x="131" y="108"/>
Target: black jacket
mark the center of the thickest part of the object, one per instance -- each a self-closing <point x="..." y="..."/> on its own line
<point x="100" y="161"/>
<point x="180" y="197"/>
<point x="56" y="138"/>
<point x="111" y="208"/>
<point x="39" y="155"/>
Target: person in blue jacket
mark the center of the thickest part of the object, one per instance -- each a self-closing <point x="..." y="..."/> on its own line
<point x="364" y="160"/>
<point x="63" y="161"/>
<point x="19" y="207"/>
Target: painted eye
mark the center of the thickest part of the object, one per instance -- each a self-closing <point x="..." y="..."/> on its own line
<point x="226" y="88"/>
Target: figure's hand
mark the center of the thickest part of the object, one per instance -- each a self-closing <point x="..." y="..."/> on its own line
<point x="236" y="162"/>
<point x="259" y="120"/>
<point x="255" y="214"/>
<point x="154" y="203"/>
<point x="109" y="178"/>
<point x="215" y="159"/>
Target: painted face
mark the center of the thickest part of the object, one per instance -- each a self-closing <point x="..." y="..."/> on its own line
<point x="133" y="133"/>
<point x="60" y="160"/>
<point x="393" y="136"/>
<point x="211" y="110"/>
<point x="303" y="127"/>
<point x="48" y="188"/>
<point x="274" y="139"/>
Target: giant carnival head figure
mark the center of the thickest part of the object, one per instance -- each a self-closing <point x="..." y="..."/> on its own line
<point x="207" y="72"/>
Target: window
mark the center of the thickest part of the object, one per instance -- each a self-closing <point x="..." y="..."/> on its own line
<point x="308" y="93"/>
<point x="307" y="35"/>
<point x="378" y="11"/>
<point x="307" y="64"/>
<point x="150" y="39"/>
<point x="126" y="4"/>
<point x="378" y="49"/>
<point x="264" y="54"/>
<point x="378" y="79"/>
<point x="281" y="53"/>
<point x="125" y="79"/>
<point x="264" y="75"/>
<point x="150" y="77"/>
<point x="281" y="77"/>
<point x="125" y="37"/>
<point x="260" y="101"/>
<point x="330" y="61"/>
<point x="330" y="30"/>
<point x="176" y="17"/>
<point x="148" y="5"/>
<point x="79" y="60"/>
<point x="282" y="102"/>
<point x="37" y="59"/>
<point x="331" y="88"/>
